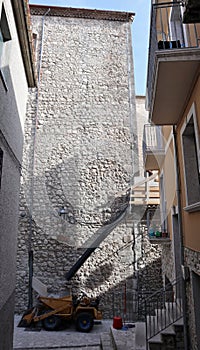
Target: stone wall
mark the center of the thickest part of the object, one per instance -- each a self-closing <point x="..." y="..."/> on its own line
<point x="80" y="156"/>
<point x="81" y="153"/>
<point x="148" y="268"/>
<point x="168" y="262"/>
<point x="192" y="260"/>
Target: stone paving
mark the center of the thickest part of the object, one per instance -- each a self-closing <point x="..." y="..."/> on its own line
<point x="67" y="338"/>
<point x="70" y="339"/>
<point x="124" y="339"/>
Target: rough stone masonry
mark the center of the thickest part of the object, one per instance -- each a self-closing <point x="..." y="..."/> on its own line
<point x="80" y="153"/>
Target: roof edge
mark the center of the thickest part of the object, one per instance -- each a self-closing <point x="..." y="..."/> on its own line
<point x="22" y="18"/>
<point x="109" y="15"/>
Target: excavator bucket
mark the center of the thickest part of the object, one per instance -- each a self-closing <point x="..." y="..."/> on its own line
<point x="27" y="318"/>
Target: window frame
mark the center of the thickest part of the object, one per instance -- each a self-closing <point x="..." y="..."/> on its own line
<point x="191" y="207"/>
<point x="5" y="36"/>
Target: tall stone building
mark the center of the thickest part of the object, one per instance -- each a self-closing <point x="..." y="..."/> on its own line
<point x="80" y="154"/>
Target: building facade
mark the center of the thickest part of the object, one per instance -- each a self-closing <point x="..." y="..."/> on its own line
<point x="16" y="76"/>
<point x="173" y="90"/>
<point x="80" y="153"/>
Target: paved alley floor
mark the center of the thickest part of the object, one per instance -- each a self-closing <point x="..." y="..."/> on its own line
<point x="69" y="338"/>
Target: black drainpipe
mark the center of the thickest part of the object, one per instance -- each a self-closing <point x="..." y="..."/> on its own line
<point x="180" y="227"/>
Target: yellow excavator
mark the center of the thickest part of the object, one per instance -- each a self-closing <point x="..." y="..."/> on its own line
<point x="53" y="312"/>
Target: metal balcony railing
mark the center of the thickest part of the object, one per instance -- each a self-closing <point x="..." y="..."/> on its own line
<point x="157" y="224"/>
<point x="153" y="147"/>
<point x="152" y="139"/>
<point x="168" y="32"/>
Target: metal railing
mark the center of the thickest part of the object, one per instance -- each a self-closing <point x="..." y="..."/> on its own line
<point x="168" y="32"/>
<point x="124" y="304"/>
<point x="152" y="139"/>
<point x="163" y="308"/>
<point x="157" y="223"/>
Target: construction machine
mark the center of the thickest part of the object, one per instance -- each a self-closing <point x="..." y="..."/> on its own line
<point x="51" y="312"/>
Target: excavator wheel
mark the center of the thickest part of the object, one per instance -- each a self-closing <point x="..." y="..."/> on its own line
<point x="51" y="323"/>
<point x="84" y="322"/>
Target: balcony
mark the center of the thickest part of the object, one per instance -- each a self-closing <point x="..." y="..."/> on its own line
<point x="156" y="226"/>
<point x="153" y="147"/>
<point x="174" y="61"/>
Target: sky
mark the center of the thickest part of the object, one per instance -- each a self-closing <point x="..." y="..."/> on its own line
<point x="140" y="28"/>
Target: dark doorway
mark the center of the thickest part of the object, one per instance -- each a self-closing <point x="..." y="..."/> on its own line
<point x="196" y="294"/>
<point x="176" y="246"/>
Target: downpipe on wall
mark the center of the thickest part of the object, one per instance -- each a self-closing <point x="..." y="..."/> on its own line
<point x="180" y="228"/>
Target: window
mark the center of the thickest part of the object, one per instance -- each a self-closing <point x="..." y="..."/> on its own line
<point x="34" y="41"/>
<point x="191" y="154"/>
<point x="4" y="38"/>
<point x="1" y="42"/>
<point x="1" y="164"/>
<point x="4" y="30"/>
<point x="176" y="30"/>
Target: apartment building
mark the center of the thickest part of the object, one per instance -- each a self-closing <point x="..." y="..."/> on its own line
<point x="173" y="134"/>
<point x="17" y="74"/>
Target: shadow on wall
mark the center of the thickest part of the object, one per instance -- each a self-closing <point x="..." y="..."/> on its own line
<point x="52" y="238"/>
<point x="103" y="272"/>
<point x="52" y="259"/>
<point x="150" y="276"/>
<point x="50" y="267"/>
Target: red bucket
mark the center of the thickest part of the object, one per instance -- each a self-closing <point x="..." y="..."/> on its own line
<point x="117" y="322"/>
